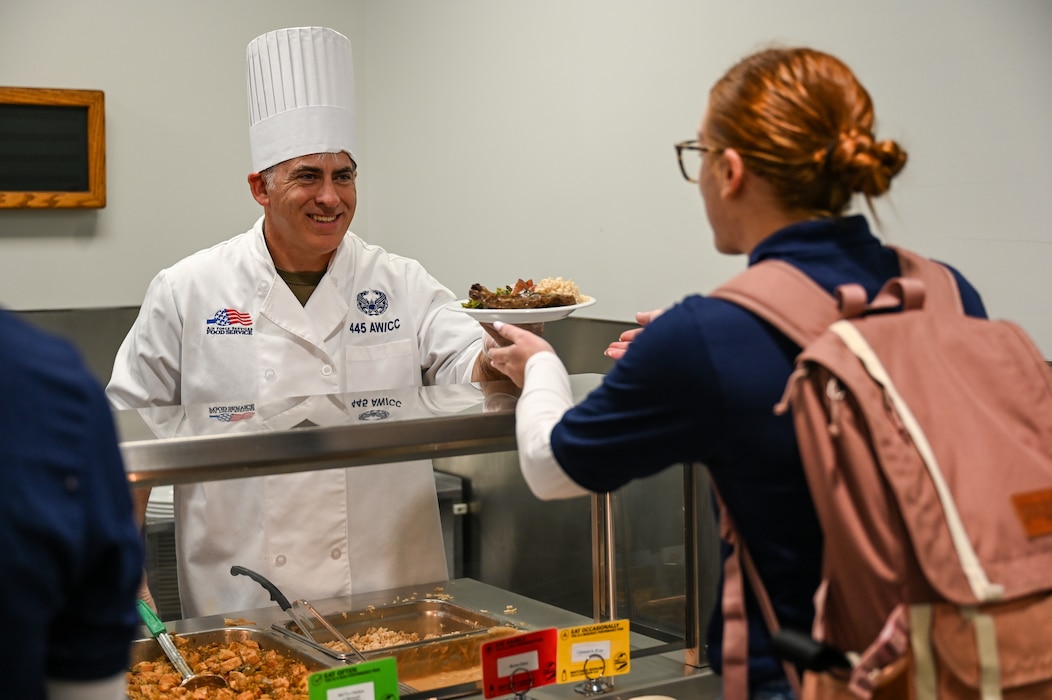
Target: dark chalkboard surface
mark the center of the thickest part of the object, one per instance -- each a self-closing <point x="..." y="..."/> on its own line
<point x="43" y="148"/>
<point x="52" y="151"/>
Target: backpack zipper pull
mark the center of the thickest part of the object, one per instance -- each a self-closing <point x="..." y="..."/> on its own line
<point x="782" y="407"/>
<point x="835" y="394"/>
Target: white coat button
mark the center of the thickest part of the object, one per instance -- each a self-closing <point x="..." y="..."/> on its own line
<point x="335" y="553"/>
<point x="263" y="287"/>
<point x="269" y="375"/>
<point x="326" y="370"/>
<point x="279" y="560"/>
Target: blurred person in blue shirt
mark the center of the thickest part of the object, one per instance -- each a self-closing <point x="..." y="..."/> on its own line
<point x="70" y="551"/>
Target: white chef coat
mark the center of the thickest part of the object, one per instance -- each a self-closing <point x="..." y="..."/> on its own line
<point x="375" y="321"/>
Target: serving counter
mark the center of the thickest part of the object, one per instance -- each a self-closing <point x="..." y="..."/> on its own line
<point x="178" y="445"/>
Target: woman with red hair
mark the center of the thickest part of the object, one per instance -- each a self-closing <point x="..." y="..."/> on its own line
<point x="786" y="143"/>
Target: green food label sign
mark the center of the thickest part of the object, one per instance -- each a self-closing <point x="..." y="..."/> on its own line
<point x="374" y="680"/>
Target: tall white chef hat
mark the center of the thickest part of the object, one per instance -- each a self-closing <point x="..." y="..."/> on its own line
<point x="300" y="95"/>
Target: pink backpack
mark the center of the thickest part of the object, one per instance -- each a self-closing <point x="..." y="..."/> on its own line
<point x="926" y="438"/>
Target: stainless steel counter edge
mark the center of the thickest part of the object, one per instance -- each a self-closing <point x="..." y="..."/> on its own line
<point x="430" y="422"/>
<point x="211" y="457"/>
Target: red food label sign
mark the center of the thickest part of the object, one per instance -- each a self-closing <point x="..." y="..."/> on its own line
<point x="517" y="664"/>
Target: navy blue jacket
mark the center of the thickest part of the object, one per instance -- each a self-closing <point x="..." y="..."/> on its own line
<point x="699" y="386"/>
<point x="70" y="552"/>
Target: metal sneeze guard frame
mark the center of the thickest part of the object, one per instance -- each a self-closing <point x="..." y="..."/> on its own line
<point x="475" y="427"/>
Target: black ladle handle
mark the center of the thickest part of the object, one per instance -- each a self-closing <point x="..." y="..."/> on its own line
<point x="276" y="595"/>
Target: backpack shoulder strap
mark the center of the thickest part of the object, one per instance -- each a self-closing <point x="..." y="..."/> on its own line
<point x="793" y="303"/>
<point x="783" y="296"/>
<point x="941" y="293"/>
<point x="737" y="568"/>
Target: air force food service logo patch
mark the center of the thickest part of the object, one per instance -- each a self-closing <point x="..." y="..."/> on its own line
<point x="372" y="302"/>
<point x="232" y="414"/>
<point x="229" y="322"/>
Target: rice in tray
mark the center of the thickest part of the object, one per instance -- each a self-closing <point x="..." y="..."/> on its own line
<point x="378" y="638"/>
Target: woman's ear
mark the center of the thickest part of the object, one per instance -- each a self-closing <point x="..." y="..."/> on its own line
<point x="258" y="186"/>
<point x="732" y="173"/>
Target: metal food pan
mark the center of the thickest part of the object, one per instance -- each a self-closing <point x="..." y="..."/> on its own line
<point x="444" y="663"/>
<point x="437" y="618"/>
<point x="149" y="650"/>
<point x="447" y="665"/>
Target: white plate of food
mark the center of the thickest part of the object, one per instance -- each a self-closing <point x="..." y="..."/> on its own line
<point x="542" y="315"/>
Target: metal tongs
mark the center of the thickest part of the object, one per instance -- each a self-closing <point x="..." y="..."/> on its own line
<point x="277" y="596"/>
<point x="337" y="635"/>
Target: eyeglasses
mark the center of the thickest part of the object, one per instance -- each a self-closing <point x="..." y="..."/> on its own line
<point x="689" y="154"/>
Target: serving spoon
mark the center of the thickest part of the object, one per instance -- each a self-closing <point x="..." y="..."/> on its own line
<point x="191" y="681"/>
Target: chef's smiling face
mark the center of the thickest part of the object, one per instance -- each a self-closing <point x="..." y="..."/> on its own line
<point x="308" y="205"/>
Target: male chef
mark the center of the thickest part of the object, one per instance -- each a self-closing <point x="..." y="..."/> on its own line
<point x="298" y="305"/>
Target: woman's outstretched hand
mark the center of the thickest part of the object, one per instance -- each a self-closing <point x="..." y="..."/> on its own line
<point x="617" y="349"/>
<point x="518" y="347"/>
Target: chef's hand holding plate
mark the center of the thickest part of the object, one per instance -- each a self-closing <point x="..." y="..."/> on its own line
<point x="619" y="347"/>
<point x="521" y="345"/>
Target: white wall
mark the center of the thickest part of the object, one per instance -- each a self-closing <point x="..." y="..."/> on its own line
<point x="505" y="139"/>
<point x="177" y="150"/>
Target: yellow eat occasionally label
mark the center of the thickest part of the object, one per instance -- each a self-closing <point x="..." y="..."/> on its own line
<point x="593" y="651"/>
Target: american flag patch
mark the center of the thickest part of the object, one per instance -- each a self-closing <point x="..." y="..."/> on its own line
<point x="230" y="417"/>
<point x="230" y="317"/>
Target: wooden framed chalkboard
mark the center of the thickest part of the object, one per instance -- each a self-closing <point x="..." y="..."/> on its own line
<point x="52" y="148"/>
